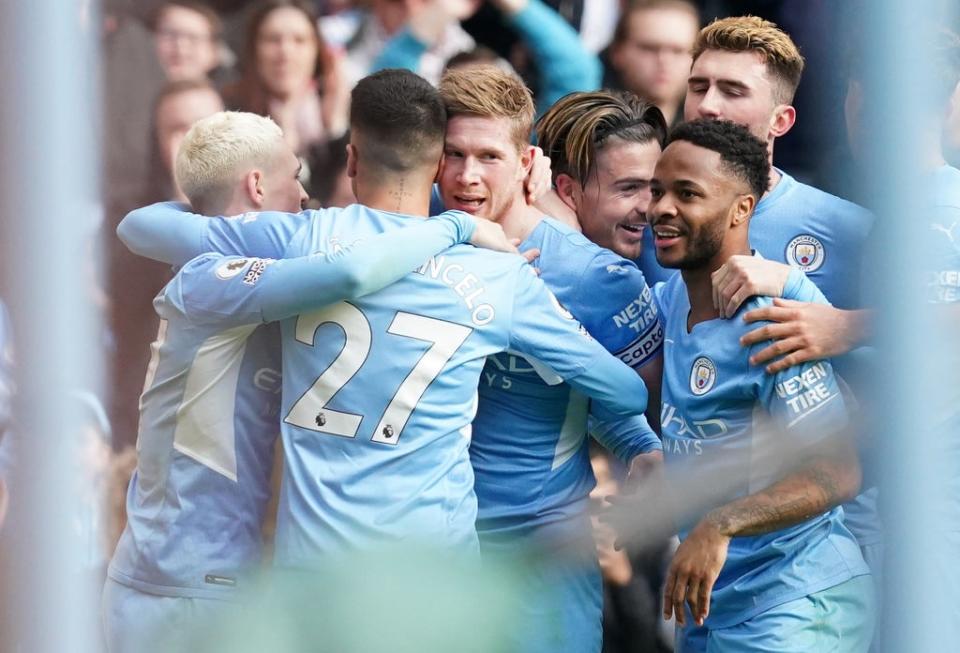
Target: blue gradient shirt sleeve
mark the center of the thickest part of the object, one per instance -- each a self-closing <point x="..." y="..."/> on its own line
<point x="169" y="233"/>
<point x="246" y="290"/>
<point x="547" y="335"/>
<point x="625" y="438"/>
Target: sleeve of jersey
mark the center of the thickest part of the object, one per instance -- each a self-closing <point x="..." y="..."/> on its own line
<point x="805" y="401"/>
<point x="617" y="308"/>
<point x="169" y="233"/>
<point x="307" y="283"/>
<point x="625" y="438"/>
<point x="543" y="331"/>
<point x="231" y="291"/>
<point x="798" y="287"/>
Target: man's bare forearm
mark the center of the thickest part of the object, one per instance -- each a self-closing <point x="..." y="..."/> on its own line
<point x="821" y="484"/>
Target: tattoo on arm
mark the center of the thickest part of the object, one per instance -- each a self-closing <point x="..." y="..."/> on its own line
<point x="805" y="493"/>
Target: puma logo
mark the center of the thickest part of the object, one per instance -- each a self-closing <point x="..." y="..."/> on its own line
<point x="948" y="231"/>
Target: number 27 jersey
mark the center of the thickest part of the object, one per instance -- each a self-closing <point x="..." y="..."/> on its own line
<point x="379" y="394"/>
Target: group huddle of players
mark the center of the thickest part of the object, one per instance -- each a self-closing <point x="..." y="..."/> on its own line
<point x="449" y="408"/>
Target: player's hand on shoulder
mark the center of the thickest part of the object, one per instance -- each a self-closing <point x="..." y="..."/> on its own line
<point x="490" y="235"/>
<point x="742" y="277"/>
<point x="540" y="178"/>
<point x="801" y="332"/>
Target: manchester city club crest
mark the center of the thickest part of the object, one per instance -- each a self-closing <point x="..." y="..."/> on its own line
<point x="702" y="376"/>
<point x="231" y="268"/>
<point x="805" y="253"/>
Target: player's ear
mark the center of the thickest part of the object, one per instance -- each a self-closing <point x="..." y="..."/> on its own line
<point x="527" y="155"/>
<point x="567" y="189"/>
<point x="782" y="120"/>
<point x="351" y="160"/>
<point x="253" y="188"/>
<point x="742" y="209"/>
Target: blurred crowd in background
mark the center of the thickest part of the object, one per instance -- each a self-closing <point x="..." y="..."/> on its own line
<point x="166" y="64"/>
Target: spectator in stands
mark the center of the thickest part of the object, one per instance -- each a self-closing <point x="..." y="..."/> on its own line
<point x="557" y="53"/>
<point x="441" y="31"/>
<point x="177" y="107"/>
<point x="326" y="180"/>
<point x="132" y="320"/>
<point x="289" y="74"/>
<point x="186" y="37"/>
<point x="652" y="51"/>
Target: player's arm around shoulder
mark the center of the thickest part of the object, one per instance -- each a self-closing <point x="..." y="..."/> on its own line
<point x="168" y="232"/>
<point x="802" y="326"/>
<point x="218" y="291"/>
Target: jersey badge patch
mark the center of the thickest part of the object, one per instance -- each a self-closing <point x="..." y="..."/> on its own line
<point x="805" y="253"/>
<point x="231" y="268"/>
<point x="702" y="376"/>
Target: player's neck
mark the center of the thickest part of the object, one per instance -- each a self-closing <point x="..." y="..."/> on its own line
<point x="699" y="283"/>
<point x="775" y="175"/>
<point x="520" y="219"/>
<point x="700" y="295"/>
<point x="408" y="195"/>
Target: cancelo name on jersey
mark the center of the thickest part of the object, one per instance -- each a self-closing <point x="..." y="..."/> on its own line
<point x="464" y="283"/>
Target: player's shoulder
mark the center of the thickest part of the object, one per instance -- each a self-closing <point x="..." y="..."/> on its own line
<point x="272" y="217"/>
<point x="480" y="260"/>
<point x="578" y="255"/>
<point x="828" y="208"/>
<point x="570" y="247"/>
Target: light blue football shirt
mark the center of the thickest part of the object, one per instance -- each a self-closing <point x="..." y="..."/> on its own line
<point x="824" y="237"/>
<point x="714" y="408"/>
<point x="530" y="452"/>
<point x="379" y="393"/>
<point x="210" y="410"/>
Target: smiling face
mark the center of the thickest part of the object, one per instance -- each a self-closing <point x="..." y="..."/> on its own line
<point x="483" y="167"/>
<point x="612" y="205"/>
<point x="695" y="203"/>
<point x="733" y="86"/>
